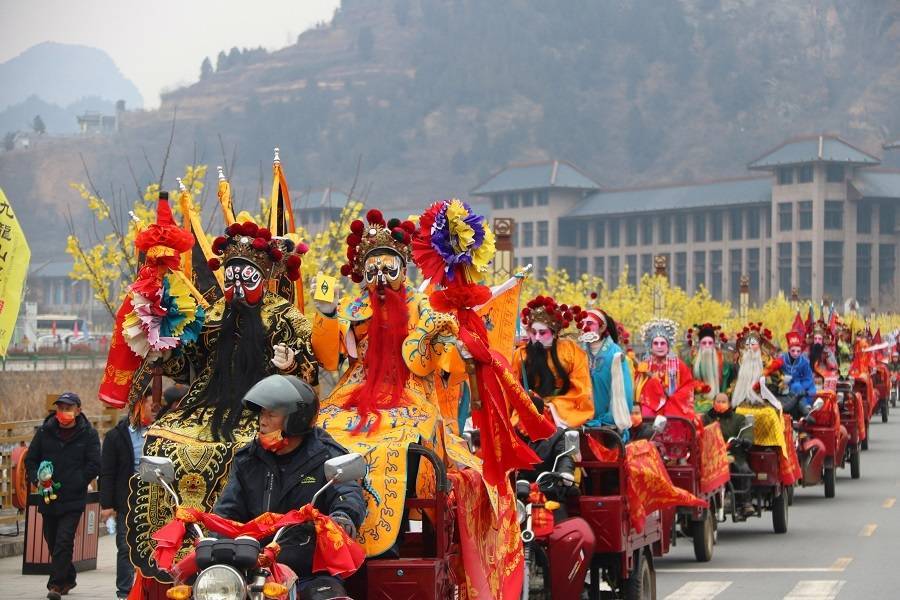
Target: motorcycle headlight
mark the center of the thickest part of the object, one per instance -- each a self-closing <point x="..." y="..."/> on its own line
<point x="220" y="582"/>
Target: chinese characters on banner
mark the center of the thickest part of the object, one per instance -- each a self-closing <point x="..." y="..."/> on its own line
<point x="14" y="257"/>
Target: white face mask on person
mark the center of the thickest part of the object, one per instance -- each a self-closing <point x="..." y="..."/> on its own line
<point x="540" y="333"/>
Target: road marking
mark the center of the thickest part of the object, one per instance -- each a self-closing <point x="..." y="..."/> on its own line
<point x="699" y="590"/>
<point x="841" y="563"/>
<point x="889" y="503"/>
<point x="815" y="590"/>
<point x="868" y="530"/>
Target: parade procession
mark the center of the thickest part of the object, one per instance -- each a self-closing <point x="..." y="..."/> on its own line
<point x="419" y="425"/>
<point x="449" y="300"/>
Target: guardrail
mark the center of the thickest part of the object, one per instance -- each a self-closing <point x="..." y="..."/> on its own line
<point x="20" y="433"/>
<point x="50" y="362"/>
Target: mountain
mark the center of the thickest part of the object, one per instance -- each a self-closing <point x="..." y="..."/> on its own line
<point x="58" y="119"/>
<point x="430" y="96"/>
<point x="61" y="74"/>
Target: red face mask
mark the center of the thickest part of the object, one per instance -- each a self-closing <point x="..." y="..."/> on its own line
<point x="272" y="441"/>
<point x="65" y="418"/>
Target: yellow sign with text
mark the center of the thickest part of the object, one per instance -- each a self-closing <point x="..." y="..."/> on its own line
<point x="14" y="258"/>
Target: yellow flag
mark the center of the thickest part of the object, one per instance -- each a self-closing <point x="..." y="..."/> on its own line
<point x="14" y="258"/>
<point x="501" y="318"/>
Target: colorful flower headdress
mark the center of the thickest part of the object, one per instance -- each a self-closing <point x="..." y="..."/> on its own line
<point x="703" y="330"/>
<point x="544" y="309"/>
<point x="452" y="241"/>
<point x="256" y="245"/>
<point x="394" y="235"/>
<point x="664" y="328"/>
<point x="754" y="331"/>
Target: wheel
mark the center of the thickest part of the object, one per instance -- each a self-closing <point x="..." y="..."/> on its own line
<point x="829" y="482"/>
<point x="641" y="585"/>
<point x="885" y="409"/>
<point x="864" y="445"/>
<point x="704" y="533"/>
<point x="854" y="464"/>
<point x="780" y="513"/>
<point x="538" y="574"/>
<point x="790" y="495"/>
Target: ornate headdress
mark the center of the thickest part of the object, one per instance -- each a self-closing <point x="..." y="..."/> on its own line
<point x="820" y="327"/>
<point x="793" y="339"/>
<point x="699" y="332"/>
<point x="453" y="242"/>
<point x="394" y="235"/>
<point x="163" y="238"/>
<point x="256" y="245"/>
<point x="664" y="328"/>
<point x="754" y="331"/>
<point x="544" y="309"/>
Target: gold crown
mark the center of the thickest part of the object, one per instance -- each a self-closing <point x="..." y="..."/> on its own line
<point x="365" y="238"/>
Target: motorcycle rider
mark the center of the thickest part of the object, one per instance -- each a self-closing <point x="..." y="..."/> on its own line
<point x="731" y="423"/>
<point x="797" y="376"/>
<point x="283" y="468"/>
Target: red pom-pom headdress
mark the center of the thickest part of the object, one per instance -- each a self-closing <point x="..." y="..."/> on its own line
<point x="698" y="332"/>
<point x="592" y="313"/>
<point x="163" y="238"/>
<point x="376" y="234"/>
<point x="256" y="245"/>
<point x="754" y="331"/>
<point x="544" y="309"/>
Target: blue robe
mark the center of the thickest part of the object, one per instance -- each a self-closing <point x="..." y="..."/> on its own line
<point x="601" y="381"/>
<point x="802" y="382"/>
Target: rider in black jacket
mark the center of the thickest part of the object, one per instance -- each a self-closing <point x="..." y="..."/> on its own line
<point x="283" y="468"/>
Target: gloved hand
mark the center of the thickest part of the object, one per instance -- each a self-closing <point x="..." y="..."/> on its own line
<point x="283" y="357"/>
<point x="567" y="479"/>
<point x="344" y="521"/>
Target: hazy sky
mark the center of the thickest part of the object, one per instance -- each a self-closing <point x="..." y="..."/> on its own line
<point x="158" y="43"/>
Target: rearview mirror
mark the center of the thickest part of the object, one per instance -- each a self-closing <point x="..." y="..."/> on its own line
<point x="572" y="441"/>
<point x="750" y="420"/>
<point x="156" y="469"/>
<point x="523" y="488"/>
<point x="659" y="423"/>
<point x="348" y="467"/>
<point x="819" y="403"/>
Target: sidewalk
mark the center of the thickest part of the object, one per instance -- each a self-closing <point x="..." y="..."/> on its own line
<point x="99" y="583"/>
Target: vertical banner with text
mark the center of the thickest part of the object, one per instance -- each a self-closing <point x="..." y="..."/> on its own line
<point x="14" y="258"/>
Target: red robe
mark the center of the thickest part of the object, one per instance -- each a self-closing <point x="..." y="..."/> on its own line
<point x="653" y="385"/>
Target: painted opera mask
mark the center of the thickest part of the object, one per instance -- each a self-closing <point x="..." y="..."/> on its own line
<point x="541" y="334"/>
<point x="244" y="281"/>
<point x="659" y="347"/>
<point x="384" y="270"/>
<point x="707" y="343"/>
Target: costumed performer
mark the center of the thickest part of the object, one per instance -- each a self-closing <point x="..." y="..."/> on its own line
<point x="711" y="369"/>
<point x="612" y="381"/>
<point x="664" y="383"/>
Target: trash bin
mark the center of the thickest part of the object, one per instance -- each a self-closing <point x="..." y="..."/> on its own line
<point x="36" y="558"/>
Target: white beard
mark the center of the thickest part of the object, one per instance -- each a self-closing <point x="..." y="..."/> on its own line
<point x="749" y="372"/>
<point x="706" y="368"/>
<point x="589" y="337"/>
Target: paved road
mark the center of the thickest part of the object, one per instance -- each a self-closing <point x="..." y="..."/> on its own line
<point x="835" y="548"/>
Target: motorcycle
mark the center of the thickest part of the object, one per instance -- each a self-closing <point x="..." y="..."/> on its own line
<point x="557" y="555"/>
<point x="850" y="404"/>
<point x="821" y="443"/>
<point x="232" y="569"/>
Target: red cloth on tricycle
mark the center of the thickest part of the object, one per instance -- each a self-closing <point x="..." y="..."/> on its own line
<point x="714" y="471"/>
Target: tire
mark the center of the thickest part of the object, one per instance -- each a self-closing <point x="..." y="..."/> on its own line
<point x="864" y="445"/>
<point x="885" y="409"/>
<point x="829" y="482"/>
<point x="704" y="534"/>
<point x="854" y="464"/>
<point x="790" y="495"/>
<point x="641" y="584"/>
<point x="780" y="513"/>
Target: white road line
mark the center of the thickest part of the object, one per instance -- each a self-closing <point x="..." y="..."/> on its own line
<point x="815" y="590"/>
<point x="889" y="503"/>
<point x="868" y="530"/>
<point x="699" y="590"/>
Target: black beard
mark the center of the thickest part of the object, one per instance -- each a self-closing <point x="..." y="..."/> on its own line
<point x="240" y="362"/>
<point x="815" y="353"/>
<point x="540" y="378"/>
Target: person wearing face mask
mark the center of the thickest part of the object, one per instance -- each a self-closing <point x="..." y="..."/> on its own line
<point x="68" y="441"/>
<point x="611" y="378"/>
<point x="283" y="468"/>
<point x="796" y="376"/>
<point x="640" y="430"/>
<point x="731" y="424"/>
<point x="664" y="383"/>
<point x="712" y="372"/>
<point x="553" y="368"/>
<point x="122" y="449"/>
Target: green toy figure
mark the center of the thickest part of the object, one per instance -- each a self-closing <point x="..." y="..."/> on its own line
<point x="45" y="481"/>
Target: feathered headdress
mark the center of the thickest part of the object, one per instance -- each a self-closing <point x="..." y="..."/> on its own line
<point x="377" y="234"/>
<point x="664" y="328"/>
<point x="544" y="309"/>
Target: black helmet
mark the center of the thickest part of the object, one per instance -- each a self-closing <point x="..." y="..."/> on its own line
<point x="289" y="396"/>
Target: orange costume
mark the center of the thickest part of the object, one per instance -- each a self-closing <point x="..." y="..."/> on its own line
<point x="574" y="406"/>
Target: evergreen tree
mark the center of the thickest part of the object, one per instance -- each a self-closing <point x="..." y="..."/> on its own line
<point x="206" y="69"/>
<point x="38" y="125"/>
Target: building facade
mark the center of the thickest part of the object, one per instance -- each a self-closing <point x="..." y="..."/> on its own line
<point x="816" y="215"/>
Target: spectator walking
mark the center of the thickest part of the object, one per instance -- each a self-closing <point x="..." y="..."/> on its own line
<point x="69" y="444"/>
<point x="122" y="449"/>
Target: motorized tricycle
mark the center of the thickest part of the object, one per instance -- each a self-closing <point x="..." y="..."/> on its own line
<point x="850" y="404"/>
<point x="623" y="557"/>
<point x="557" y="553"/>
<point x="679" y="445"/>
<point x="821" y="444"/>
<point x="881" y="379"/>
<point x="239" y="568"/>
